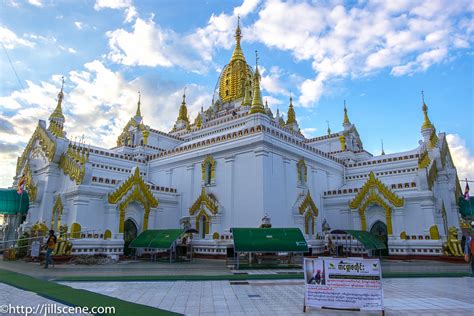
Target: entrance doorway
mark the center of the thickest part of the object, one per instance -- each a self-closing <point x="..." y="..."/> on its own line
<point x="379" y="229"/>
<point x="129" y="233"/>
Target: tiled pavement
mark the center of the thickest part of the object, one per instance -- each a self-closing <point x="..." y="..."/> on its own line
<point x="426" y="296"/>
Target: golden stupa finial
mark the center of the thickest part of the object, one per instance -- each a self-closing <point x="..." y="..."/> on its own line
<point x="424" y="108"/>
<point x="58" y="112"/>
<point x="346" y="117"/>
<point x="291" y="112"/>
<point x="237" y="54"/>
<point x="257" y="104"/>
<point x="183" y="110"/>
<point x="139" y="113"/>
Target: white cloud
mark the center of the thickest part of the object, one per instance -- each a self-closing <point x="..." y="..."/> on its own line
<point x="271" y="80"/>
<point x="112" y="4"/>
<point x="98" y="102"/>
<point x="71" y="50"/>
<point x="405" y="37"/>
<point x="463" y="159"/>
<point x="79" y="25"/>
<point x="309" y="132"/>
<point x="10" y="40"/>
<point x="36" y="3"/>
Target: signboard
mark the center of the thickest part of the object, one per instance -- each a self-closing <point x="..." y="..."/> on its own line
<point x="349" y="283"/>
<point x="35" y="249"/>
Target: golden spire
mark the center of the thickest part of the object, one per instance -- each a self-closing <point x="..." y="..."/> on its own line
<point x="183" y="110"/>
<point x="238" y="53"/>
<point x="346" y="118"/>
<point x="427" y="123"/>
<point x="247" y="101"/>
<point x="139" y="113"/>
<point x="329" y="129"/>
<point x="291" y="113"/>
<point x="58" y="112"/>
<point x="257" y="104"/>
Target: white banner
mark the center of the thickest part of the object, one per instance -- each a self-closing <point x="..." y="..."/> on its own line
<point x="350" y="283"/>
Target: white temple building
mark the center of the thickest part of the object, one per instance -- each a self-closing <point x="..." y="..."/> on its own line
<point x="233" y="164"/>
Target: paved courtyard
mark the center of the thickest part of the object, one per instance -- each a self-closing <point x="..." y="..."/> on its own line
<point x="413" y="296"/>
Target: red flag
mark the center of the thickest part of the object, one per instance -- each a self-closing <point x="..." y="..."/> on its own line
<point x="466" y="192"/>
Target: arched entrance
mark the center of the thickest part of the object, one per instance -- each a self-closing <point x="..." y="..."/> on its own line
<point x="379" y="229"/>
<point x="129" y="234"/>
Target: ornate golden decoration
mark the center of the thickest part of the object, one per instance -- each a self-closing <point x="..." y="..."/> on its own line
<point x="307" y="228"/>
<point x="424" y="160"/>
<point x="30" y="186"/>
<point x="308" y="203"/>
<point x="342" y="140"/>
<point x="183" y="111"/>
<point x="75" y="170"/>
<point x="204" y="199"/>
<point x="237" y="75"/>
<point x="403" y="235"/>
<point x="135" y="196"/>
<point x="374" y="198"/>
<point x="57" y="209"/>
<point x="291" y="113"/>
<point x="48" y="145"/>
<point x="452" y="247"/>
<point x="302" y="171"/>
<point x="373" y="182"/>
<point x="198" y="121"/>
<point x="202" y="213"/>
<point x="346" y="118"/>
<point x="39" y="229"/>
<point x="426" y="123"/>
<point x="56" y="129"/>
<point x="434" y="233"/>
<point x="212" y="164"/>
<point x="127" y="185"/>
<point x="433" y="140"/>
<point x="139" y="191"/>
<point x="257" y="103"/>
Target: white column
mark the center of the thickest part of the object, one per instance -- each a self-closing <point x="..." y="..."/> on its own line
<point x="229" y="218"/>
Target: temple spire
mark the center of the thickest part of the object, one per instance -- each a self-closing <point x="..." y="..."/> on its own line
<point x="183" y="110"/>
<point x="247" y="101"/>
<point x="139" y="113"/>
<point x="257" y="104"/>
<point x="346" y="117"/>
<point x="238" y="53"/>
<point x="329" y="129"/>
<point x="291" y="113"/>
<point x="383" y="152"/>
<point x="56" y="119"/>
<point x="427" y="123"/>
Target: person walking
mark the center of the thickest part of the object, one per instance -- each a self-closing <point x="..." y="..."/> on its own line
<point x="50" y="244"/>
<point x="469" y="249"/>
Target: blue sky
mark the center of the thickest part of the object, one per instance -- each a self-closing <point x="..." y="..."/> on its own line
<point x="376" y="55"/>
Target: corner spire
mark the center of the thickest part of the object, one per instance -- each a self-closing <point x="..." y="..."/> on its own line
<point x="56" y="119"/>
<point x="427" y="123"/>
<point x="247" y="101"/>
<point x="183" y="110"/>
<point x="329" y="129"/>
<point x="383" y="152"/>
<point x="291" y="113"/>
<point x="346" y="117"/>
<point x="139" y="113"/>
<point x="257" y="104"/>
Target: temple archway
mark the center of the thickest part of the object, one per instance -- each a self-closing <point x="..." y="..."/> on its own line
<point x="130" y="233"/>
<point x="379" y="229"/>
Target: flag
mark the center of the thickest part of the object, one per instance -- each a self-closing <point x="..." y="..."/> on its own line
<point x="21" y="183"/>
<point x="466" y="192"/>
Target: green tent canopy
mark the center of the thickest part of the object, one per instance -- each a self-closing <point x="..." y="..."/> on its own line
<point x="466" y="208"/>
<point x="269" y="240"/>
<point x="156" y="238"/>
<point x="11" y="202"/>
<point x="369" y="240"/>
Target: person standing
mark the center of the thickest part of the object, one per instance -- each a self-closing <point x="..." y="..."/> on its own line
<point x="50" y="244"/>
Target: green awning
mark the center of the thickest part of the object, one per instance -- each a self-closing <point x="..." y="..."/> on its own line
<point x="466" y="208"/>
<point x="369" y="240"/>
<point x="10" y="202"/>
<point x="269" y="240"/>
<point x="156" y="238"/>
